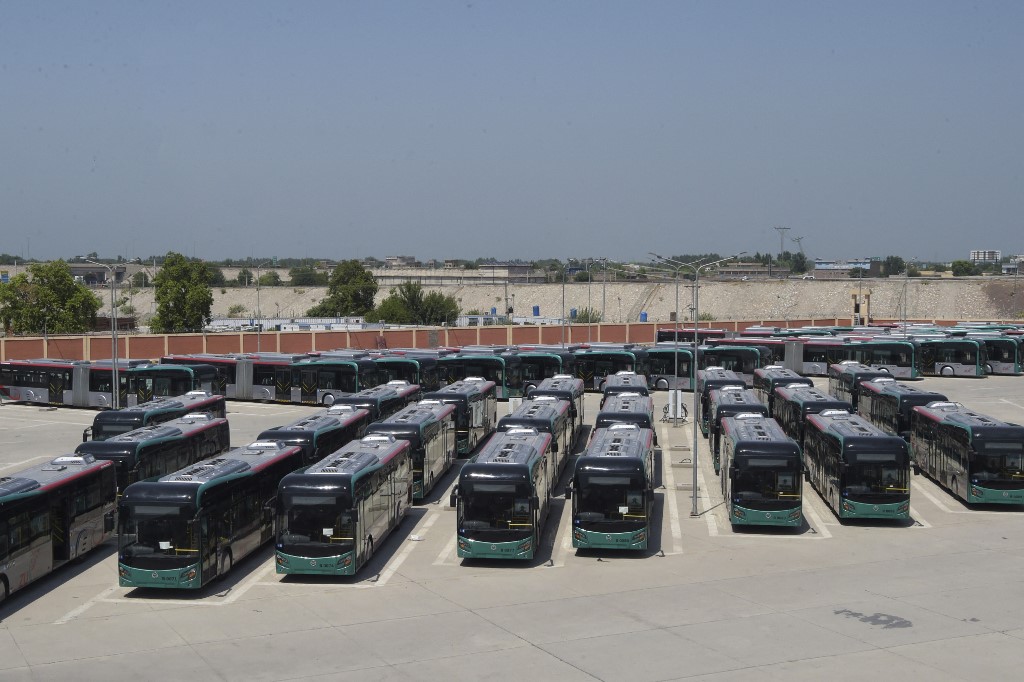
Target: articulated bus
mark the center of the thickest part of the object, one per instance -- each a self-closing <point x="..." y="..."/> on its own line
<point x="109" y="423"/>
<point x="68" y="383"/>
<point x="545" y="415"/>
<point x="161" y="448"/>
<point x="761" y="473"/>
<point x="542" y="362"/>
<point x="503" y="497"/>
<point x="771" y="351"/>
<point x="612" y="490"/>
<point x="476" y="410"/>
<point x="894" y="356"/>
<point x="889" y="405"/>
<point x="951" y="357"/>
<point x="979" y="459"/>
<point x="416" y="367"/>
<point x="249" y="376"/>
<point x="596" y="362"/>
<point x="844" y="379"/>
<point x="189" y="527"/>
<point x="858" y="469"/>
<point x="687" y="334"/>
<point x="740" y="359"/>
<point x="52" y="513"/>
<point x="792" y="406"/>
<point x="322" y="433"/>
<point x="709" y="379"/>
<point x="813" y="356"/>
<point x="430" y="430"/>
<point x="767" y="379"/>
<point x="154" y="380"/>
<point x="501" y="366"/>
<point x="1002" y="354"/>
<point x="332" y="515"/>
<point x="384" y="400"/>
<point x="567" y="388"/>
<point x="729" y="402"/>
<point x="323" y="379"/>
<point x="670" y="368"/>
<point x="628" y="408"/>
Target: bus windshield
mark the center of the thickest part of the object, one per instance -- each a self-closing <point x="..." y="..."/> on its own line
<point x="158" y="536"/>
<point x="876" y="474"/>
<point x="999" y="461"/>
<point x="326" y="521"/>
<point x="605" y="497"/>
<point x="105" y="430"/>
<point x="767" y="479"/>
<point x="497" y="506"/>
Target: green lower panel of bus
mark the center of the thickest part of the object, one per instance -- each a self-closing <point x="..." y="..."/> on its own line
<point x="980" y="495"/>
<point x="744" y="516"/>
<point x="344" y="564"/>
<point x="589" y="539"/>
<point x="417" y="490"/>
<point x="848" y="509"/>
<point x="481" y="549"/>
<point x="189" y="577"/>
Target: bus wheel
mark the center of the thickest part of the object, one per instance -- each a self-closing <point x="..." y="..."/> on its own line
<point x="661" y="384"/>
<point x="956" y="488"/>
<point x="369" y="548"/>
<point x="988" y="368"/>
<point x="226" y="564"/>
<point x="6" y="591"/>
<point x="528" y="388"/>
<point x="947" y="371"/>
<point x="328" y="400"/>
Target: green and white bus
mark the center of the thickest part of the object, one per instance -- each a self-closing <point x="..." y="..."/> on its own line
<point x="670" y="367"/>
<point x="186" y="528"/>
<point x="476" y="410"/>
<point x="547" y="415"/>
<point x="503" y="496"/>
<point x="53" y="513"/>
<point x="109" y="423"/>
<point x="767" y="379"/>
<point x="889" y="404"/>
<point x="858" y="469"/>
<point x="162" y="448"/>
<point x="384" y="400"/>
<point x="612" y="490"/>
<point x="792" y="406"/>
<point x="844" y="379"/>
<point x="761" y="473"/>
<point x="979" y="459"/>
<point x="951" y="357"/>
<point x="628" y="408"/>
<point x="430" y="430"/>
<point x="729" y="401"/>
<point x="709" y="379"/>
<point x="570" y="389"/>
<point x="331" y="515"/>
<point x="322" y="433"/>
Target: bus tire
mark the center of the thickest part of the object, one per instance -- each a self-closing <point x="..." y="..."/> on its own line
<point x="955" y="484"/>
<point x="988" y="368"/>
<point x="6" y="591"/>
<point x="947" y="371"/>
<point x="328" y="400"/>
<point x="369" y="548"/>
<point x="528" y="388"/>
<point x="226" y="563"/>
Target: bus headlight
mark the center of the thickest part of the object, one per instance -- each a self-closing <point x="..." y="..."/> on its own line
<point x="188" y="575"/>
<point x="525" y="546"/>
<point x="795" y="514"/>
<point x="848" y="507"/>
<point x="281" y="561"/>
<point x="122" y="571"/>
<point x="739" y="513"/>
<point x="905" y="507"/>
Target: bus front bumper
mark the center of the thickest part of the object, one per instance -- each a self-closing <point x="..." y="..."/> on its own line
<point x="289" y="564"/>
<point x="980" y="495"/>
<point x="482" y="549"/>
<point x="175" y="578"/>
<point x="589" y="539"/>
<point x="744" y="516"/>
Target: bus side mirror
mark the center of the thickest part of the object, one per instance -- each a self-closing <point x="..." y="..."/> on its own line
<point x="568" y="492"/>
<point x="87" y="434"/>
<point x="453" y="500"/>
<point x="535" y="501"/>
<point x="554" y="446"/>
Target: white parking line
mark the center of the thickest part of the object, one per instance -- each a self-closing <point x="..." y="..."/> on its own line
<point x="395" y="563"/>
<point x="919" y="520"/>
<point x="670" y="495"/>
<point x="934" y="500"/>
<point x="1010" y="402"/>
<point x="446" y="552"/>
<point x="705" y="503"/>
<point x="25" y="461"/>
<point x="85" y="606"/>
<point x="819" y="527"/>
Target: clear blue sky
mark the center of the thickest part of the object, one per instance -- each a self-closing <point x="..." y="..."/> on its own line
<point x="511" y="129"/>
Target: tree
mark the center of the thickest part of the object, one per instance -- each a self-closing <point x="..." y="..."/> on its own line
<point x="407" y="304"/>
<point x="183" y="295"/>
<point x="350" y="291"/>
<point x="307" y="276"/>
<point x="857" y="273"/>
<point x="270" y="279"/>
<point x="47" y="299"/>
<point x="140" y="280"/>
<point x="892" y="266"/>
<point x="216" y="276"/>
<point x="963" y="268"/>
<point x="244" y="277"/>
<point x="587" y="316"/>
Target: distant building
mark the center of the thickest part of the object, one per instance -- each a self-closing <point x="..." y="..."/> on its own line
<point x="1012" y="267"/>
<point x="840" y="269"/>
<point x="986" y="257"/>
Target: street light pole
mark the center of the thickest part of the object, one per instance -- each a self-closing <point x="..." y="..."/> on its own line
<point x="259" y="312"/>
<point x="115" y="388"/>
<point x="696" y="266"/>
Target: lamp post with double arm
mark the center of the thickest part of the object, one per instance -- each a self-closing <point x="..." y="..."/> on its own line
<point x="115" y="389"/>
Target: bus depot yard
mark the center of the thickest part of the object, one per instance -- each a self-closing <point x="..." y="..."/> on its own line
<point x="934" y="597"/>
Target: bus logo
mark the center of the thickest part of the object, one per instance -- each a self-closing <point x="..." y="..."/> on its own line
<point x="312" y="562"/>
<point x="875" y="508"/>
<point x="494" y="547"/>
<point x="154" y="575"/>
